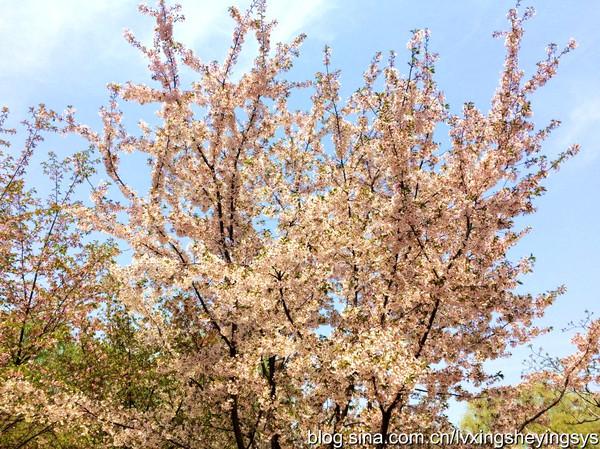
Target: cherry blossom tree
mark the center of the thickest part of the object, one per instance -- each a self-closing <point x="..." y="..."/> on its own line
<point x="50" y="282"/>
<point x="341" y="268"/>
<point x="264" y="225"/>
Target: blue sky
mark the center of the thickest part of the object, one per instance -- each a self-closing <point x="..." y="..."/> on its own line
<point x="64" y="52"/>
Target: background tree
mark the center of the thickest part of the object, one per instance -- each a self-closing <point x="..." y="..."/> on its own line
<point x="51" y="281"/>
<point x="559" y="395"/>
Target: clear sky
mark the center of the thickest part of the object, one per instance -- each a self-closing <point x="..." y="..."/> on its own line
<point x="64" y="52"/>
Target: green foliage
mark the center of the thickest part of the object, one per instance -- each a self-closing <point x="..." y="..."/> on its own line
<point x="577" y="412"/>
